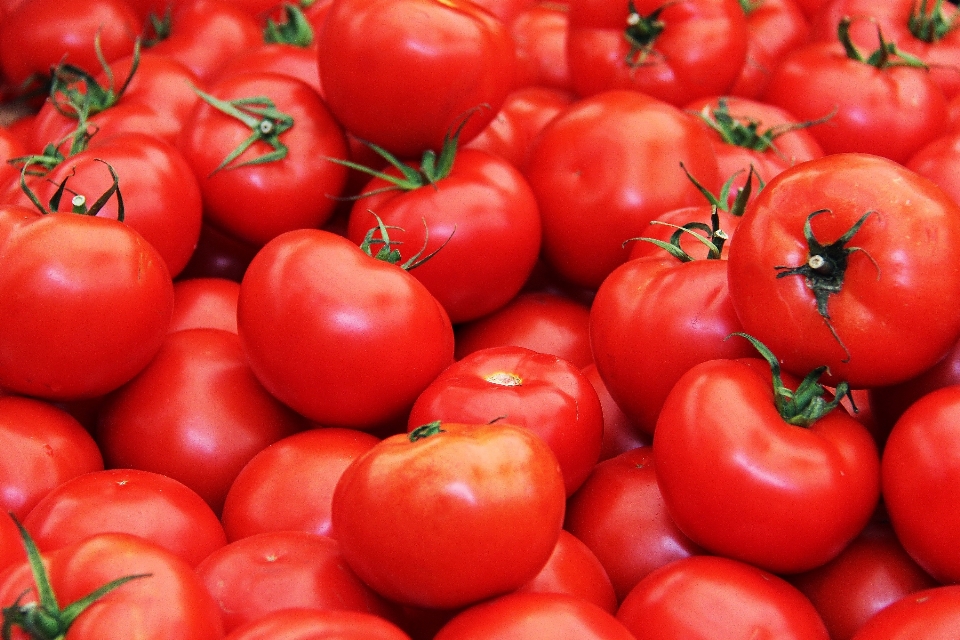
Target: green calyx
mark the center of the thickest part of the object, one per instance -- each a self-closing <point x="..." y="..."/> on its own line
<point x="44" y="619"/>
<point x="388" y="251"/>
<point x="78" y="202"/>
<point x="159" y="27"/>
<point x="929" y="24"/>
<point x="425" y="431"/>
<point x="826" y="267"/>
<point x="714" y="239"/>
<point x="74" y="93"/>
<point x="887" y="54"/>
<point x="749" y="6"/>
<point x="266" y="123"/>
<point x="748" y="133"/>
<point x="807" y="403"/>
<point x="294" y="30"/>
<point x="641" y="32"/>
<point x="720" y="201"/>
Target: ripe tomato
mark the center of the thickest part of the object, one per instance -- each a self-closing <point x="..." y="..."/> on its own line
<point x="620" y="433"/>
<point x="931" y="614"/>
<point x="450" y="514"/>
<point x="205" y="303"/>
<point x="426" y="65"/>
<point x="309" y="624"/>
<point x="877" y="303"/>
<point x="540" y="35"/>
<point x="317" y="313"/>
<point x="774" y="28"/>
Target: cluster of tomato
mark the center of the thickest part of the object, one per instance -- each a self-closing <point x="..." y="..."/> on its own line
<point x="393" y="319"/>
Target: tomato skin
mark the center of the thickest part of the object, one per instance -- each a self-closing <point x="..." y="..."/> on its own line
<point x="456" y="53"/>
<point x="620" y="433"/>
<point x="315" y="312"/>
<point x="774" y="27"/>
<point x="465" y="514"/>
<point x="11" y="545"/>
<point x="938" y="160"/>
<point x="307" y="624"/>
<point x="724" y="456"/>
<point x="896" y="313"/>
<point x="104" y="275"/>
<point x="205" y="303"/>
<point x="603" y="168"/>
<point x="931" y="614"/>
<point x="708" y="597"/>
<point x="45" y="446"/>
<point x="142" y="503"/>
<point x="530" y="616"/>
<point x="540" y="35"/>
<point x="699" y="53"/>
<point x="921" y="462"/>
<point x="540" y="392"/>
<point x="290" y="484"/>
<point x="200" y="408"/>
<point x="171" y="604"/>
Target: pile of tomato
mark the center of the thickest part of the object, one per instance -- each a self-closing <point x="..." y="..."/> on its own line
<point x="415" y="319"/>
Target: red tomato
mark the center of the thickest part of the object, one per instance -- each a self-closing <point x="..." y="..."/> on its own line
<point x="521" y="387"/>
<point x="447" y="516"/>
<point x="200" y="408"/>
<point x="939" y="160"/>
<point x="603" y="168"/>
<point x="456" y="53"/>
<point x="751" y="475"/>
<point x="921" y="465"/>
<point x="539" y="33"/>
<point x="209" y="303"/>
<point x="931" y="614"/>
<point x="774" y="28"/>
<point x="308" y="624"/>
<point x="258" y="575"/>
<point x="675" y="51"/>
<point x="44" y="446"/>
<point x="533" y="616"/>
<point x="11" y="545"/>
<point x="316" y="312"/>
<point x="141" y="503"/>
<point x="706" y="597"/>
<point x="290" y="484"/>
<point x="106" y="293"/>
<point x="289" y="132"/>
<point x="620" y="515"/>
<point x="872" y="573"/>
<point x="891" y="306"/>
<point x="620" y="433"/>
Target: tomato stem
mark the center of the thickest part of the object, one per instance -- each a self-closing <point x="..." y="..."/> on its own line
<point x="70" y="100"/>
<point x="425" y="431"/>
<point x="295" y="30"/>
<point x="930" y="25"/>
<point x="886" y="55"/>
<point x="388" y="251"/>
<point x="641" y="32"/>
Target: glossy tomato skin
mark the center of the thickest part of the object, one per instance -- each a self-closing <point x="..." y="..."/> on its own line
<point x="709" y="597"/>
<point x="343" y="339"/>
<point x="452" y="518"/>
<point x="896" y="313"/>
<point x="426" y="65"/>
<point x="931" y="614"/>
<point x="938" y="161"/>
<point x="170" y="604"/>
<point x="200" y="408"/>
<point x="743" y="483"/>
<point x="700" y="51"/>
<point x="606" y="166"/>
<point x="528" y="616"/>
<point x="540" y="35"/>
<point x="205" y="303"/>
<point x="142" y="503"/>
<point x="920" y="463"/>
<point x="308" y="624"/>
<point x="297" y="189"/>
<point x="105" y="291"/>
<point x="774" y="28"/>
<point x="484" y="216"/>
<point x="620" y="433"/>
<point x="543" y="393"/>
<point x="45" y="446"/>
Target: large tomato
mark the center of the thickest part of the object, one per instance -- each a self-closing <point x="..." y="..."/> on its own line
<point x="426" y="64"/>
<point x="844" y="261"/>
<point x="310" y="624"/>
<point x="342" y="338"/>
<point x="450" y="514"/>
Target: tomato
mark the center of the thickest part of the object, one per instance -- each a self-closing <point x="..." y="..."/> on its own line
<point x="530" y="616"/>
<point x="887" y="311"/>
<point x="931" y="614"/>
<point x="308" y="624"/>
<point x="603" y="168"/>
<point x="544" y="322"/>
<point x="920" y="463"/>
<point x="872" y="573"/>
<point x="573" y="569"/>
<point x="712" y="597"/>
<point x="260" y="574"/>
<point x="427" y="64"/>
<point x="620" y="433"/>
<point x="763" y="471"/>
<point x="168" y="601"/>
<point x="774" y="28"/>
<point x="105" y="292"/>
<point x="316" y="312"/>
<point x="290" y="484"/>
<point x="673" y="51"/>
<point x="11" y="545"/>
<point x="45" y="446"/>
<point x="482" y="213"/>
<point x="200" y="408"/>
<point x="209" y="303"/>
<point x="521" y="387"/>
<point x="620" y="515"/>
<point x="11" y="146"/>
<point x="540" y="35"/>
<point x="937" y="161"/>
<point x="450" y="514"/>
<point x="283" y="138"/>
